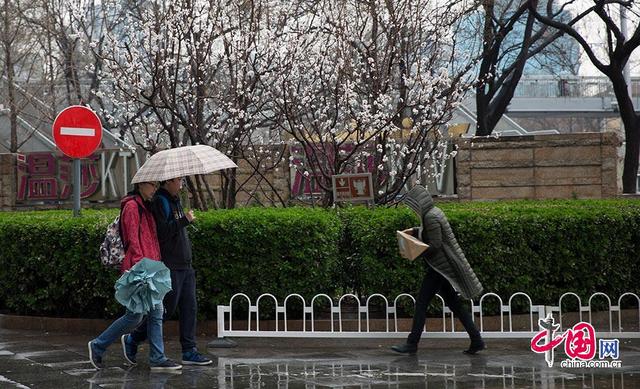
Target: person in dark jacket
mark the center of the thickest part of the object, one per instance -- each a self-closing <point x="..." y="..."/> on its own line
<point x="175" y="247"/>
<point x="447" y="271"/>
<point x="138" y="233"/>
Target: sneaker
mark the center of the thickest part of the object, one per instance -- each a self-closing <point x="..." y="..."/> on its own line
<point x="95" y="360"/>
<point x="128" y="350"/>
<point x="195" y="358"/>
<point x="406" y="348"/>
<point x="167" y="365"/>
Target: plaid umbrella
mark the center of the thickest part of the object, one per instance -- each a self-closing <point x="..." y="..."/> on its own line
<point x="182" y="161"/>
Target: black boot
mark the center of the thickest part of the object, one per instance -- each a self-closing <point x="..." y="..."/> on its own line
<point x="405" y="348"/>
<point x="476" y="345"/>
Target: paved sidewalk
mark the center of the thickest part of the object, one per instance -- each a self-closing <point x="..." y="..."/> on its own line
<point x="36" y="360"/>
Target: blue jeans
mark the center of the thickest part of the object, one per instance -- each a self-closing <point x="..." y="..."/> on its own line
<point x="182" y="297"/>
<point x="128" y="323"/>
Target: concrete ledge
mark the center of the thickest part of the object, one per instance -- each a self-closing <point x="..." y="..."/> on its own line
<point x="86" y="326"/>
<point x="208" y="328"/>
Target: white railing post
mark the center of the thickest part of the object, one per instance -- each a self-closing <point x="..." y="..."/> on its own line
<point x="221" y="330"/>
<point x="620" y="310"/>
<point x="609" y="302"/>
<point x="530" y="310"/>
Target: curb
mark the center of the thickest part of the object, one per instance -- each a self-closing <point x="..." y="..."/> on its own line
<point x="87" y="326"/>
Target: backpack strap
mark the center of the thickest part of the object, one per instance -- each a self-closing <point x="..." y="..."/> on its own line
<point x="140" y="210"/>
<point x="166" y="208"/>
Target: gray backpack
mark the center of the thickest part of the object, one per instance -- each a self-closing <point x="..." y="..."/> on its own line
<point x="112" y="250"/>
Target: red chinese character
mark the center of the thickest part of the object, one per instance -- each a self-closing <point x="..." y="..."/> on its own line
<point x="88" y="176"/>
<point x="581" y="342"/>
<point x="65" y="177"/>
<point x="41" y="164"/>
<point x="43" y="188"/>
<point x="545" y="347"/>
<point x="23" y="176"/>
<point x="39" y="182"/>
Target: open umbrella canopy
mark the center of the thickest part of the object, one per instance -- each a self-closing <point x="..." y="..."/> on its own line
<point x="143" y="286"/>
<point x="181" y="162"/>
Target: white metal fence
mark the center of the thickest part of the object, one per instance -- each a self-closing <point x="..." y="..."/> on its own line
<point x="612" y="328"/>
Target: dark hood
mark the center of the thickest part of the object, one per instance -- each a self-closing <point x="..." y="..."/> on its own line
<point x="419" y="200"/>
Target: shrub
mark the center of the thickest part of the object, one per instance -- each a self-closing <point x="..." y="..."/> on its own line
<point x="258" y="250"/>
<point x="50" y="266"/>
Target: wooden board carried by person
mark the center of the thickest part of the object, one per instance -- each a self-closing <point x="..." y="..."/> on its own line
<point x="410" y="247"/>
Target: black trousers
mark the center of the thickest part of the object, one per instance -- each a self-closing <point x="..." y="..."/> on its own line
<point x="183" y="298"/>
<point x="433" y="283"/>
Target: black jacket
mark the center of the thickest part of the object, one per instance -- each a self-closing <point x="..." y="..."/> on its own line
<point x="175" y="245"/>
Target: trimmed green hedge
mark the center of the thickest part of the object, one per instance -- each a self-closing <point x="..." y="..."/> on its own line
<point x="258" y="250"/>
<point x="547" y="249"/>
<point x="369" y="252"/>
<point x="543" y="248"/>
<point x="49" y="262"/>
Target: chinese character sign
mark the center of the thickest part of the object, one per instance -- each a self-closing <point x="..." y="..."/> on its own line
<point x="44" y="176"/>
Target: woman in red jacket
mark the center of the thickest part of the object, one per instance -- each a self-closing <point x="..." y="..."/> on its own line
<point x="138" y="231"/>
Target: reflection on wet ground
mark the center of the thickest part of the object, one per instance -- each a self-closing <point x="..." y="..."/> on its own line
<point x="37" y="360"/>
<point x="408" y="372"/>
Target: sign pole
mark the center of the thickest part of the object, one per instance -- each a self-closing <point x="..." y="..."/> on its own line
<point x="76" y="187"/>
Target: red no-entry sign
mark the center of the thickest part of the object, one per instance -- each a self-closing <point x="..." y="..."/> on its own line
<point x="77" y="131"/>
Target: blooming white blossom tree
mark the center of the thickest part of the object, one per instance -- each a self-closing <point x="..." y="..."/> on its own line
<point x="185" y="72"/>
<point x="353" y="85"/>
<point x="367" y="86"/>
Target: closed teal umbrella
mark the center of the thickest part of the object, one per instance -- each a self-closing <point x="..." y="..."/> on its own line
<point x="143" y="286"/>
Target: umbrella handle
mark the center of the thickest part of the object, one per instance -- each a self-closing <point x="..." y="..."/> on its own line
<point x="184" y="197"/>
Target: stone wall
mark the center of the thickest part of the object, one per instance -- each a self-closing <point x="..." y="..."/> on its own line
<point x="8" y="181"/>
<point x="584" y="165"/>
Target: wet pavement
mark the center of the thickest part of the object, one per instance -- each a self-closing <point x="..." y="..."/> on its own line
<point x="30" y="359"/>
